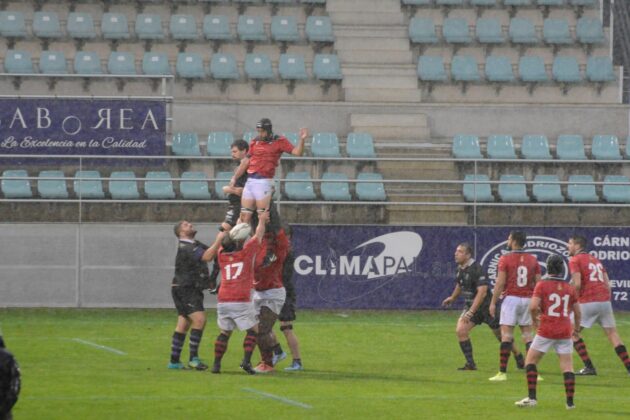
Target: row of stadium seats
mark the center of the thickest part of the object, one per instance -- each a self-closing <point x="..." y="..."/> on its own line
<point x="547" y="189"/>
<point x="158" y="185"/>
<point x="495" y="3"/>
<point x="568" y="147"/>
<point x="358" y="145"/>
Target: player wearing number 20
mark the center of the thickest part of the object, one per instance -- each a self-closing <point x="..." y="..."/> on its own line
<point x="590" y="279"/>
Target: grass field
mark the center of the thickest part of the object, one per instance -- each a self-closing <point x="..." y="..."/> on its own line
<point x="390" y="365"/>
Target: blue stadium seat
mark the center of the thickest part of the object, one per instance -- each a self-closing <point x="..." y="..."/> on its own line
<point x="223" y="66"/>
<point x="155" y="64"/>
<point x="466" y="146"/>
<point x="422" y="31"/>
<point x="589" y="3"/>
<point x="535" y="147"/>
<point x="499" y="69"/>
<point x="556" y="31"/>
<point x="325" y="145"/>
<point x="258" y="66"/>
<point x="183" y="27"/>
<point x="219" y="143"/>
<point x="81" y="26"/>
<point x="158" y="185"/>
<point x="87" y="184"/>
<point x="370" y="191"/>
<point x="293" y="137"/>
<point x="580" y="193"/>
<point x="547" y="189"/>
<point x="115" y="26"/>
<point x="478" y="191"/>
<point x="251" y="28"/>
<point x="613" y="192"/>
<point x="600" y="69"/>
<point x="326" y="67"/>
<point x="590" y="31"/>
<point x="123" y="186"/>
<point x="319" y="29"/>
<point x="551" y="2"/>
<point x="186" y="144"/>
<point x="16" y="188"/>
<point x="291" y="67"/>
<point x="195" y="186"/>
<point x="46" y="25"/>
<point x="531" y="68"/>
<point x="300" y="186"/>
<point x="87" y="62"/>
<point x="431" y="69"/>
<point x="216" y="28"/>
<point x="121" y="63"/>
<point x="570" y="147"/>
<point x="501" y="147"/>
<point x="522" y="31"/>
<point x="417" y="2"/>
<point x="606" y="147"/>
<point x="513" y="193"/>
<point x="517" y="2"/>
<point x="566" y="69"/>
<point x="464" y="68"/>
<point x="449" y="2"/>
<point x="149" y="26"/>
<point x="18" y="62"/>
<point x="12" y="24"/>
<point x="483" y="2"/>
<point x="190" y="66"/>
<point x="53" y="62"/>
<point x="223" y="179"/>
<point x="249" y="136"/>
<point x="360" y="145"/>
<point x="284" y="28"/>
<point x="52" y="188"/>
<point x="335" y="191"/>
<point x="456" y="31"/>
<point x="489" y="31"/>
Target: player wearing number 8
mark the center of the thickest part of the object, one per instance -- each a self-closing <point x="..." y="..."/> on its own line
<point x="590" y="279"/>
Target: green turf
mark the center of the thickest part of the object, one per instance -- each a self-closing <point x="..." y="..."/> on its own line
<point x="390" y="365"/>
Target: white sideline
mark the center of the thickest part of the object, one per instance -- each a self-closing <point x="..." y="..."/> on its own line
<point x="98" y="346"/>
<point x="277" y="398"/>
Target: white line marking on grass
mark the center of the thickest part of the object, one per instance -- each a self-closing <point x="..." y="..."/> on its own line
<point x="98" y="346"/>
<point x="277" y="398"/>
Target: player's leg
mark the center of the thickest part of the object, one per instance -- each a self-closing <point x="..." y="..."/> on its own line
<point x="294" y="345"/>
<point x="620" y="348"/>
<point x="589" y="317"/>
<point x="220" y="347"/>
<point x="249" y="344"/>
<point x="464" y="326"/>
<point x="527" y="336"/>
<point x="177" y="342"/>
<point x="508" y="319"/>
<point x="198" y="322"/>
<point x="534" y="355"/>
<point x="518" y="356"/>
<point x="248" y="202"/>
<point x="226" y="313"/>
<point x="566" y="366"/>
<point x="266" y="341"/>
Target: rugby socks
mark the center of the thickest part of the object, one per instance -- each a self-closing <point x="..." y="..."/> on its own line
<point x="580" y="348"/>
<point x="623" y="355"/>
<point x="569" y="386"/>
<point x="277" y="349"/>
<point x="220" y="346"/>
<point x="532" y="379"/>
<point x="195" y="339"/>
<point x="267" y="357"/>
<point x="468" y="351"/>
<point x="520" y="360"/>
<point x="504" y="355"/>
<point x="249" y="343"/>
<point x="176" y="346"/>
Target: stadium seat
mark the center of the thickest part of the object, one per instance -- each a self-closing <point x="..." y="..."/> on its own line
<point x="216" y="28"/>
<point x="183" y="27"/>
<point x="222" y="179"/>
<point x="325" y="145"/>
<point x="517" y="2"/>
<point x="194" y="186"/>
<point x="614" y="192"/>
<point x="566" y="69"/>
<point x="466" y="146"/>
<point x="499" y="69"/>
<point x="223" y="66"/>
<point x="589" y="3"/>
<point x="46" y="25"/>
<point x="605" y="147"/>
<point x="488" y="31"/>
<point x="251" y="28"/>
<point x="501" y="147"/>
<point x="532" y="69"/>
<point x="570" y="147"/>
<point x="535" y="147"/>
<point x="456" y="31"/>
<point x="360" y="145"/>
<point x="483" y="2"/>
<point x="87" y="184"/>
<point x="547" y="189"/>
<point x="449" y="2"/>
<point x="319" y="29"/>
<point x="81" y="26"/>
<point x="219" y="143"/>
<point x="551" y="2"/>
<point x="115" y="26"/>
<point x="293" y="137"/>
<point x="590" y="31"/>
<point x="600" y="69"/>
<point x="513" y="193"/>
<point x="478" y="191"/>
<point x="53" y="62"/>
<point x="522" y="31"/>
<point x="121" y="63"/>
<point x="155" y="64"/>
<point x="464" y="68"/>
<point x="284" y="28"/>
<point x="16" y="188"/>
<point x="18" y="62"/>
<point x="158" y="185"/>
<point x="258" y="66"/>
<point x="52" y="188"/>
<point x="87" y="62"/>
<point x="335" y="191"/>
<point x="123" y="186"/>
<point x="579" y="193"/>
<point x="291" y="67"/>
<point x="370" y="191"/>
<point x="249" y="136"/>
<point x="12" y="24"/>
<point x="431" y="69"/>
<point x="422" y="31"/>
<point x="299" y="186"/>
<point x="186" y="144"/>
<point x="190" y="66"/>
<point x="326" y="67"/>
<point x="556" y="31"/>
<point x="149" y="27"/>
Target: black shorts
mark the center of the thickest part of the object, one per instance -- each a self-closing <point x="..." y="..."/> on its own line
<point x="232" y="215"/>
<point x="482" y="316"/>
<point x="187" y="299"/>
<point x="287" y="313"/>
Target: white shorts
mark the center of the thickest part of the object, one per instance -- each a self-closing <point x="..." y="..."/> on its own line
<point x="600" y="312"/>
<point x="561" y="346"/>
<point x="515" y="311"/>
<point x="258" y="189"/>
<point x="272" y="299"/>
<point x="231" y="315"/>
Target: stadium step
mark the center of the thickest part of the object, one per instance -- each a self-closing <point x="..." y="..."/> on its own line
<point x="368" y="56"/>
<point x="354" y="5"/>
<point x="417" y="215"/>
<point x="372" y="31"/>
<point x="381" y="95"/>
<point x="392" y="126"/>
<point x="374" y="18"/>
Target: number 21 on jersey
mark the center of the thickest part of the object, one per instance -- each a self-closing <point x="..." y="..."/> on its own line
<point x="555" y="310"/>
<point x="233" y="271"/>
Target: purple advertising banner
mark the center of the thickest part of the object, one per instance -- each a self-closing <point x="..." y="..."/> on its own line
<point x="403" y="267"/>
<point x="82" y="127"/>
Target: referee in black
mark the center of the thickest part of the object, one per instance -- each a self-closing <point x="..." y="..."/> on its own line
<point x="9" y="382"/>
<point x="473" y="285"/>
<point x="190" y="279"/>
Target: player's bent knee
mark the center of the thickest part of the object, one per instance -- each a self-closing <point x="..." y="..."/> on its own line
<point x="246" y="211"/>
<point x="286" y="327"/>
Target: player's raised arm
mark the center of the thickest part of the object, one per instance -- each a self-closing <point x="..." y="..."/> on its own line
<point x="263" y="218"/>
<point x="299" y="149"/>
<point x="453" y="297"/>
<point x="212" y="251"/>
